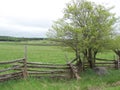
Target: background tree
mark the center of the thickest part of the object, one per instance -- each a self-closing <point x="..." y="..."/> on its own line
<point x="85" y="28"/>
<point x="115" y="45"/>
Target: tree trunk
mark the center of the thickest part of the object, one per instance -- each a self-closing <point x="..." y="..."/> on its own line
<point x="94" y="61"/>
<point x="78" y="56"/>
<point x="117" y="53"/>
<point x="90" y="63"/>
<point x="90" y="57"/>
<point x="79" y="62"/>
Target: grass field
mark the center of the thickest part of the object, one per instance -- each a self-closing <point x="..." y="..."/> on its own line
<point x="54" y="54"/>
<point x="47" y="54"/>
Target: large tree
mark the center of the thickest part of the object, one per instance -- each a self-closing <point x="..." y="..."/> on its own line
<point x="85" y="28"/>
<point x="115" y="45"/>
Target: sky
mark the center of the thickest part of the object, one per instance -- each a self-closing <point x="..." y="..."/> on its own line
<point x="33" y="18"/>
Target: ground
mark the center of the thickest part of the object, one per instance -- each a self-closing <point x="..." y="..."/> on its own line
<point x="54" y="54"/>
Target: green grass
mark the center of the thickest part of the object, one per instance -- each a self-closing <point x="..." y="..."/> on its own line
<point x="89" y="81"/>
<point x="54" y="54"/>
<point x="110" y="55"/>
<point x="43" y="54"/>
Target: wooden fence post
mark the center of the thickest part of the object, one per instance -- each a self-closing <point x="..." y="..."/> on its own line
<point x="117" y="64"/>
<point x="74" y="73"/>
<point x="25" y="74"/>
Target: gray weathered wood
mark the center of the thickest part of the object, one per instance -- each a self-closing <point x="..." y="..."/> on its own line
<point x="99" y="59"/>
<point x="51" y="67"/>
<point x="13" y="61"/>
<point x="74" y="72"/>
<point x="48" y="64"/>
<point x="11" y="76"/>
<point x="25" y="74"/>
<point x="11" y="68"/>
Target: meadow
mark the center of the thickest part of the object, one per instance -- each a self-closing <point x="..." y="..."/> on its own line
<point x="55" y="54"/>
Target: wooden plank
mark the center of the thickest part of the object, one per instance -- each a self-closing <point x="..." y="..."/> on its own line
<point x="99" y="59"/>
<point x="52" y="72"/>
<point x="25" y="74"/>
<point x="11" y="76"/>
<point x="51" y="67"/>
<point x="47" y="70"/>
<point x="104" y="63"/>
<point x="4" y="75"/>
<point x="48" y="64"/>
<point x="13" y="61"/>
<point x="74" y="71"/>
<point x="72" y="61"/>
<point x="12" y="68"/>
<point x="50" y="76"/>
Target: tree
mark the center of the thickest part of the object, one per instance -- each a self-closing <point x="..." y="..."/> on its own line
<point x="85" y="28"/>
<point x="115" y="45"/>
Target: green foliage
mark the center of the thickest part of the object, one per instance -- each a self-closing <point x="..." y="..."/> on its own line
<point x="115" y="42"/>
<point x="84" y="22"/>
<point x="116" y="45"/>
<point x="85" y="28"/>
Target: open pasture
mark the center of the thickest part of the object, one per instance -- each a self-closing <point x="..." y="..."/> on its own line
<point x="54" y="54"/>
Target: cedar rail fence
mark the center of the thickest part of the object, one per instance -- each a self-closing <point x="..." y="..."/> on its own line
<point x="7" y="70"/>
<point x="22" y="69"/>
<point x="104" y="63"/>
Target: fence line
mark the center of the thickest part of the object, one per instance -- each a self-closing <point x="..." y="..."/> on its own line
<point x="13" y="61"/>
<point x="104" y="62"/>
<point x="20" y="68"/>
<point x="7" y="69"/>
<point x="99" y="59"/>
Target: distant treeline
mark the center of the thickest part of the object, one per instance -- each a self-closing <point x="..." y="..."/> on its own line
<point x="17" y="39"/>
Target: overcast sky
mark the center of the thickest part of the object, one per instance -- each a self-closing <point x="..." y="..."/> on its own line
<point x="33" y="18"/>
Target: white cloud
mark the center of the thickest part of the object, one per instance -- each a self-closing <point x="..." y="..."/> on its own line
<point x="34" y="17"/>
<point x="49" y="9"/>
<point x="31" y="16"/>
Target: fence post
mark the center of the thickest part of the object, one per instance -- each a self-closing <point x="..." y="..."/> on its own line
<point x="117" y="64"/>
<point x="25" y="74"/>
<point x="73" y="71"/>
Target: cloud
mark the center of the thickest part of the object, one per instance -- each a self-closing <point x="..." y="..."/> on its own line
<point x="23" y="28"/>
<point x="22" y="33"/>
<point x="43" y="23"/>
<point x="28" y="17"/>
<point x="33" y="18"/>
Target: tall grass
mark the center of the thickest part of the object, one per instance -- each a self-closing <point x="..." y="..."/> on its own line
<point x="89" y="81"/>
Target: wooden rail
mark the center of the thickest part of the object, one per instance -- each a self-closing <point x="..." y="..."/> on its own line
<point x="48" y="70"/>
<point x="11" y="68"/>
<point x="11" y="76"/>
<point x="13" y="61"/>
<point x="20" y="68"/>
<point x="105" y="62"/>
<point x="99" y="59"/>
<point x="38" y="63"/>
<point x="7" y="73"/>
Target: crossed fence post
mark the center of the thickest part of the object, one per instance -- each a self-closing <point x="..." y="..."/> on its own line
<point x="25" y="74"/>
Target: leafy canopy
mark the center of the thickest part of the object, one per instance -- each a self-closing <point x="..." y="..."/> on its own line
<point x="85" y="25"/>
